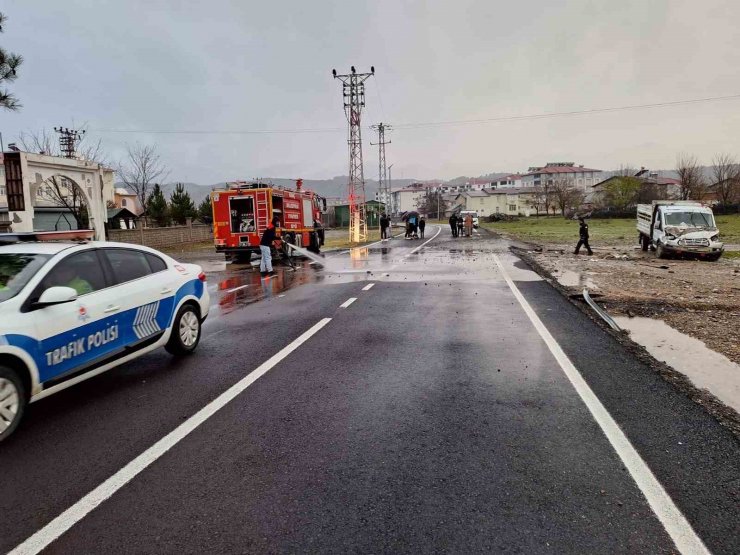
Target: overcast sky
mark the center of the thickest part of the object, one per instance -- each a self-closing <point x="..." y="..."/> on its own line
<point x="161" y="65"/>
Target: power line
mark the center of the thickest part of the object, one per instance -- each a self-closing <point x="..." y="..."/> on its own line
<point x="419" y="125"/>
<point x="564" y="114"/>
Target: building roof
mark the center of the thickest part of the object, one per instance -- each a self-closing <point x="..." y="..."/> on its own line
<point x="481" y="193"/>
<point x="514" y="191"/>
<point x="120" y="213"/>
<point x="560" y="169"/>
<point x="123" y="192"/>
<point x="655" y="181"/>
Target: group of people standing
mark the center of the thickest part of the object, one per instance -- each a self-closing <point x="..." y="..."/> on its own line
<point x="415" y="227"/>
<point x="460" y="224"/>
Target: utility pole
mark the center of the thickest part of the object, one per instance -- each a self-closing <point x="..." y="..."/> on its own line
<point x="353" y="92"/>
<point x="68" y="139"/>
<point x="384" y="193"/>
<point x="390" y="187"/>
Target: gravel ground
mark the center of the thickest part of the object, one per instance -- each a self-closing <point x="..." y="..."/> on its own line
<point x="700" y="299"/>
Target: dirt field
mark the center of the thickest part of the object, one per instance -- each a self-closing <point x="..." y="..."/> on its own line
<point x="700" y="299"/>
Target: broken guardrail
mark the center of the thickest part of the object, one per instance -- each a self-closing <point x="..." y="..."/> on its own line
<point x="600" y="311"/>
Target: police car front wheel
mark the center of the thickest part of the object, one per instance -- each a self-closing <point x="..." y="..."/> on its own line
<point x="12" y="401"/>
<point x="185" y="333"/>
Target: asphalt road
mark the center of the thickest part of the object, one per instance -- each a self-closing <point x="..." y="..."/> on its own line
<point x="428" y="415"/>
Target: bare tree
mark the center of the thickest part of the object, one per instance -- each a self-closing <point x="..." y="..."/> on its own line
<point x="566" y="195"/>
<point x="625" y="170"/>
<point x="689" y="173"/>
<point x="726" y="172"/>
<point x="542" y="199"/>
<point x="140" y="170"/>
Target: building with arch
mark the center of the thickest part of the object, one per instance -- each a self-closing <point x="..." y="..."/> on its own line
<point x="30" y="179"/>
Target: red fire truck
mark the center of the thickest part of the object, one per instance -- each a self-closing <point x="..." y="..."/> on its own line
<point x="242" y="211"/>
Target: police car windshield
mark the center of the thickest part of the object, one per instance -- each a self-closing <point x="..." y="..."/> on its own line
<point x="15" y="271"/>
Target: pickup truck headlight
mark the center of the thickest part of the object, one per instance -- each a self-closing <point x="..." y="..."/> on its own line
<point x="714" y="238"/>
<point x="669" y="236"/>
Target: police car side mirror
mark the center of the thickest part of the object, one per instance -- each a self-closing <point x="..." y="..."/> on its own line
<point x="56" y="295"/>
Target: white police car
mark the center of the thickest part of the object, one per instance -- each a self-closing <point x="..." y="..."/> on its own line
<point x="69" y="311"/>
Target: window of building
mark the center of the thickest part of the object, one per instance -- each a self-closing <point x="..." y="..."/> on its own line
<point x="512" y="208"/>
<point x="2" y="191"/>
<point x="123" y="202"/>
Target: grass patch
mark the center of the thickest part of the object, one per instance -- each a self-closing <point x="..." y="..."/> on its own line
<point x="556" y="229"/>
<point x="729" y="228"/>
<point x="614" y="231"/>
<point x="731" y="255"/>
<point x="343" y="242"/>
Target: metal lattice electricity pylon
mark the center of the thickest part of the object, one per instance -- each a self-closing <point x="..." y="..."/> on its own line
<point x="68" y="139"/>
<point x="384" y="190"/>
<point x="353" y="91"/>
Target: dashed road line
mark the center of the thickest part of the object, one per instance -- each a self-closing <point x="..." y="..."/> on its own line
<point x="61" y="524"/>
<point x="368" y="287"/>
<point x="348" y="302"/>
<point x="669" y="515"/>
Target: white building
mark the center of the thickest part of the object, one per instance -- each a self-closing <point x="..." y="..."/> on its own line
<point x="408" y="198"/>
<point x="513" y="180"/>
<point x="580" y="177"/>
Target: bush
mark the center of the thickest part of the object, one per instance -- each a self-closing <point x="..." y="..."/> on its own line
<point x="491" y="218"/>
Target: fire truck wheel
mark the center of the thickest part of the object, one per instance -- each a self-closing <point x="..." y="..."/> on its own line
<point x="186" y="329"/>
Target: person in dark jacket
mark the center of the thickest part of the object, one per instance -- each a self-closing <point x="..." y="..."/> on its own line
<point x="384" y="224"/>
<point x="460" y="224"/>
<point x="422" y="225"/>
<point x="453" y="224"/>
<point x="583" y="237"/>
<point x="269" y="236"/>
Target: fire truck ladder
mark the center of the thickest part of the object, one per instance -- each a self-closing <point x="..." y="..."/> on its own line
<point x="263" y="210"/>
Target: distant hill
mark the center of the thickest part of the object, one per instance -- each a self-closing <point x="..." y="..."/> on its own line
<point x="329" y="188"/>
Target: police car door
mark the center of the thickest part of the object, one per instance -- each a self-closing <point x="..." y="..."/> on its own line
<point x="74" y="336"/>
<point x="145" y="291"/>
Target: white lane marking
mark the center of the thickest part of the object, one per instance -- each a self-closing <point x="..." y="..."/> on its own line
<point x="348" y="302"/>
<point x="439" y="229"/>
<point x="237" y="288"/>
<point x="41" y="539"/>
<point x="668" y="513"/>
<point x="368" y="287"/>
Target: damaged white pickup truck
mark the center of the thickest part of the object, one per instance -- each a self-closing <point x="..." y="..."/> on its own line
<point x="679" y="227"/>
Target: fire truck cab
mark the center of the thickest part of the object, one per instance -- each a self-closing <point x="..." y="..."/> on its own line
<point x="242" y="211"/>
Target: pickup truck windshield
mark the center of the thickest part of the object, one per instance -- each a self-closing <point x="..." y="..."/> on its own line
<point x="689" y="219"/>
<point x="15" y="271"/>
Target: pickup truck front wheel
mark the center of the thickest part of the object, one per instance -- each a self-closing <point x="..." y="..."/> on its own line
<point x="660" y="251"/>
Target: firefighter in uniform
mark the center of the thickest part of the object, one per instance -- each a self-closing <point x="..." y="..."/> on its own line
<point x="269" y="237"/>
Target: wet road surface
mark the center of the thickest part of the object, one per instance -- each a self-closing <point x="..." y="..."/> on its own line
<point x="427" y="414"/>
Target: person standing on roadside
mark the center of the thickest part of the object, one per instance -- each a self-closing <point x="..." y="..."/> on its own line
<point x="453" y="224"/>
<point x="422" y="225"/>
<point x="583" y="237"/>
<point x="269" y="238"/>
<point x="460" y="224"/>
<point x="384" y="223"/>
<point x="469" y="225"/>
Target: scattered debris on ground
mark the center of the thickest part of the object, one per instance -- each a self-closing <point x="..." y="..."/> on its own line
<point x="698" y="298"/>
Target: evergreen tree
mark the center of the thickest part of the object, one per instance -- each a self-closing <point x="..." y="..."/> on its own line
<point x="9" y="62"/>
<point x="157" y="208"/>
<point x="205" y="211"/>
<point x="181" y="205"/>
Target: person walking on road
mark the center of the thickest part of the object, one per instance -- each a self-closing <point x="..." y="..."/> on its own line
<point x="384" y="223"/>
<point x="583" y="237"/>
<point x="269" y="237"/>
<point x="422" y="225"/>
<point x="453" y="224"/>
<point x="468" y="225"/>
<point x="460" y="224"/>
